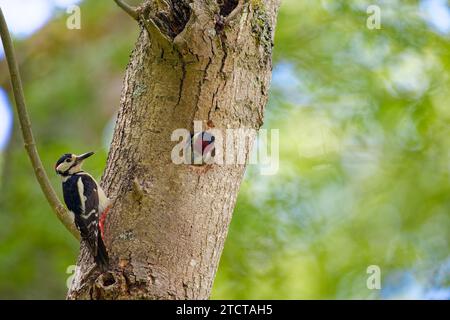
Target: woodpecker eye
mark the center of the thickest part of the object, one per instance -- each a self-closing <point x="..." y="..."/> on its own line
<point x="67" y="160"/>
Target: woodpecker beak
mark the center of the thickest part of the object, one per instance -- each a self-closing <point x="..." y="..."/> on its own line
<point x="83" y="156"/>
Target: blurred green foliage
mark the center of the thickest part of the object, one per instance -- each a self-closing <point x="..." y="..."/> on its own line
<point x="364" y="161"/>
<point x="364" y="155"/>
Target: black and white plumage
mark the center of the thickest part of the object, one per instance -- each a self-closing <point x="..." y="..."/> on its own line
<point x="200" y="149"/>
<point x="86" y="200"/>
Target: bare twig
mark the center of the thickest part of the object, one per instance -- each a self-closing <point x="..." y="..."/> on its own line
<point x="25" y="125"/>
<point x="128" y="9"/>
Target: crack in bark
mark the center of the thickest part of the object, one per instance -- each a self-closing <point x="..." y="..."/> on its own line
<point x="182" y="79"/>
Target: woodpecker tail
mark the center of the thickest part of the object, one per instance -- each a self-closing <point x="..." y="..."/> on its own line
<point x="101" y="259"/>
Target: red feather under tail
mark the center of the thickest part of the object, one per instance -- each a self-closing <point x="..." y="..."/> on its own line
<point x="101" y="223"/>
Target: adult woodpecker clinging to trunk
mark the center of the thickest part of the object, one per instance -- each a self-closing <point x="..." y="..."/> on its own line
<point x="87" y="202"/>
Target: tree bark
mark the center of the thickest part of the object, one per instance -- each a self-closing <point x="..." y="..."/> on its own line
<point x="207" y="60"/>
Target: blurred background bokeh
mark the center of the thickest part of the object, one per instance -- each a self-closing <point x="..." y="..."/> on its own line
<point x="364" y="120"/>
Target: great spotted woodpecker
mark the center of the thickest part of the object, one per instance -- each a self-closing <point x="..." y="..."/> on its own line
<point x="87" y="202"/>
<point x="201" y="148"/>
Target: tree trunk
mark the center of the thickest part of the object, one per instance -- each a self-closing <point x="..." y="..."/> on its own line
<point x="203" y="60"/>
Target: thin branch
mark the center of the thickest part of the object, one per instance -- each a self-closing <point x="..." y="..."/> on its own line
<point x="128" y="9"/>
<point x="25" y="125"/>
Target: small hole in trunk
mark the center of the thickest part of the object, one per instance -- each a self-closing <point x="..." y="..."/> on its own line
<point x="227" y="6"/>
<point x="108" y="280"/>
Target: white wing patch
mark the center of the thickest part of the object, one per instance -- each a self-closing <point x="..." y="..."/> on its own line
<point x="103" y="200"/>
<point x="83" y="198"/>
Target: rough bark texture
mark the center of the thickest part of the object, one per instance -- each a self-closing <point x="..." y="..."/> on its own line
<point x="207" y="60"/>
